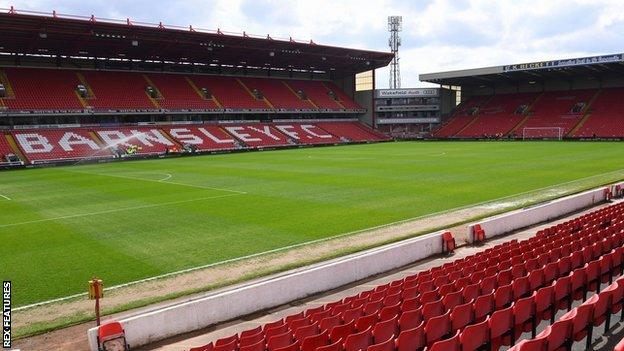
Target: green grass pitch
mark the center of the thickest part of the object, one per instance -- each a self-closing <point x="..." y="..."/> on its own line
<point x="126" y="221"/>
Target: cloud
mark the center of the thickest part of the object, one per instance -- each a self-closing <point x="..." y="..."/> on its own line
<point x="438" y="35"/>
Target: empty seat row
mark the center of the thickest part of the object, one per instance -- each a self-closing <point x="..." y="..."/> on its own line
<point x="530" y="279"/>
<point x="582" y="113"/>
<point x="579" y="323"/>
<point x="36" y="89"/>
<point x="47" y="145"/>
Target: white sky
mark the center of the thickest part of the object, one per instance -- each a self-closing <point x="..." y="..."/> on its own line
<point x="438" y="35"/>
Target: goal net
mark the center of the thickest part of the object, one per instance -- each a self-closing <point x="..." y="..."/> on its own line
<point x="555" y="133"/>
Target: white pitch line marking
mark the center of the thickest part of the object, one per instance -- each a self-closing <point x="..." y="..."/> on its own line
<point x="164" y="180"/>
<point x="162" y="204"/>
<point x="5" y="197"/>
<point x="285" y="248"/>
<point x="168" y="176"/>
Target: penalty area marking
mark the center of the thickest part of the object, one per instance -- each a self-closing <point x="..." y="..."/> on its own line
<point x="79" y="215"/>
<point x="5" y="197"/>
<point x="167" y="177"/>
<point x="164" y="180"/>
<point x="320" y="240"/>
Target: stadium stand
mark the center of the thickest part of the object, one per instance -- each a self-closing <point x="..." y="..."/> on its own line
<point x="229" y="92"/>
<point x="135" y="140"/>
<point x="278" y="94"/>
<point x="342" y="98"/>
<point x="483" y="301"/>
<point x="5" y="149"/>
<point x="351" y="131"/>
<point x="203" y="138"/>
<point x="178" y="93"/>
<point x="464" y="113"/>
<point x="40" y="89"/>
<point x="606" y="116"/>
<point x="257" y="135"/>
<point x="306" y="133"/>
<point x="65" y="144"/>
<point x="59" y="145"/>
<point x="582" y="113"/>
<point x="499" y="115"/>
<point x="128" y="91"/>
<point x="317" y="92"/>
<point x="557" y="109"/>
<point x="113" y="91"/>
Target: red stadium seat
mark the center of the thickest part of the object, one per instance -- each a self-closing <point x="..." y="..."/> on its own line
<point x="258" y="346"/>
<point x="448" y="242"/>
<point x="483" y="306"/>
<point x="275" y="330"/>
<point x="251" y="339"/>
<point x="227" y="340"/>
<point x="475" y="336"/>
<point x="250" y="332"/>
<point x="451" y="344"/>
<point x="437" y="328"/>
<point x="279" y="341"/>
<point x="410" y="319"/>
<point x="385" y="330"/>
<point x="524" y="315"/>
<point x="364" y="322"/>
<point x="563" y="292"/>
<point x="461" y="316"/>
<point x="412" y="339"/>
<point x="340" y="332"/>
<point x="112" y="334"/>
<point x="545" y="303"/>
<point x="452" y="299"/>
<point x="311" y="343"/>
<point x="303" y="332"/>
<point x="330" y="322"/>
<point x="232" y="345"/>
<point x="388" y="345"/>
<point x="537" y="344"/>
<point x="337" y="346"/>
<point x="501" y="325"/>
<point x="478" y="234"/>
<point x="432" y="309"/>
<point x="359" y="341"/>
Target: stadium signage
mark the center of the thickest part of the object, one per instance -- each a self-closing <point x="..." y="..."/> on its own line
<point x="408" y="108"/>
<point x="564" y="63"/>
<point x="407" y="120"/>
<point x="406" y="93"/>
<point x="6" y="314"/>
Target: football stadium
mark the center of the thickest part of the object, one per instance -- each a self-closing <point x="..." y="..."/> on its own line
<point x="170" y="187"/>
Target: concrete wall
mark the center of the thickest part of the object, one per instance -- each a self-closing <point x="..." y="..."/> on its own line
<point x="365" y="99"/>
<point x="347" y="84"/>
<point x="447" y="101"/>
<point x="277" y="290"/>
<point x="256" y="296"/>
<point x="525" y="217"/>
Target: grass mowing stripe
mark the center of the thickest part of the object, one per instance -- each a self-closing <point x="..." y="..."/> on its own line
<point x="163" y="180"/>
<point x="292" y="199"/>
<point x="285" y="248"/>
<point x="124" y="209"/>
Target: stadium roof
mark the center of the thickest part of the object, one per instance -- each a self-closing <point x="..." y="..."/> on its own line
<point x="79" y="36"/>
<point x="534" y="71"/>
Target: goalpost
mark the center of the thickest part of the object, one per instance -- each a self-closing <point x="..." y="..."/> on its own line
<point x="542" y="133"/>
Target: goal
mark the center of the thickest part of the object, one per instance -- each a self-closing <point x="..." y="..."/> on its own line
<point x="555" y="133"/>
